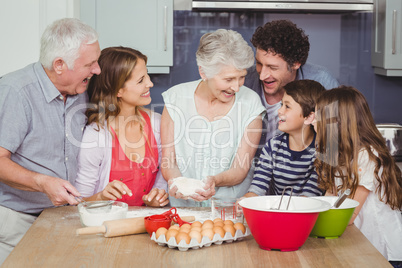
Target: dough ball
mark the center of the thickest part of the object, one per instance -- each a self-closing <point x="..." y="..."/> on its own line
<point x="187" y="186"/>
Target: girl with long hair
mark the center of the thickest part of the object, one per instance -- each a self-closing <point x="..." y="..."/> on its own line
<point x="352" y="154"/>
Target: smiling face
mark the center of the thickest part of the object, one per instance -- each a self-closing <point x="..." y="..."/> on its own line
<point x="226" y="84"/>
<point x="135" y="91"/>
<point x="75" y="81"/>
<point x="291" y="118"/>
<point x="274" y="74"/>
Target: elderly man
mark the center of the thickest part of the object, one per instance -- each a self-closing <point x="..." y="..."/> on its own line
<point x="42" y="117"/>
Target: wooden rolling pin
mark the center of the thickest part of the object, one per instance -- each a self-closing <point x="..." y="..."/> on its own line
<point x="121" y="227"/>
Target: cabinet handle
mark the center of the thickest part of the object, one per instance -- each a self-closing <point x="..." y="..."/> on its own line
<point x="394" y="32"/>
<point x="165" y="22"/>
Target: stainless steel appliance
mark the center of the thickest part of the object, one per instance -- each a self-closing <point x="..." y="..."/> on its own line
<point x="392" y="134"/>
<point x="285" y="5"/>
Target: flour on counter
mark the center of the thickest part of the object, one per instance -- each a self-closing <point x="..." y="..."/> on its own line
<point x="187" y="186"/>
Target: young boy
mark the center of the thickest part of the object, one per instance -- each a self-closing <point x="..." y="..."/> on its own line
<point x="288" y="159"/>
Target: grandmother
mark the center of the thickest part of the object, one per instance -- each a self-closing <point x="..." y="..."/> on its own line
<point x="211" y="127"/>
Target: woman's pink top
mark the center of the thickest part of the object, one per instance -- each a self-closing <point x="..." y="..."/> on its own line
<point x="139" y="177"/>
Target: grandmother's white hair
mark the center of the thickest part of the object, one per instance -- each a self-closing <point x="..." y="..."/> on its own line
<point x="63" y="38"/>
<point x="223" y="48"/>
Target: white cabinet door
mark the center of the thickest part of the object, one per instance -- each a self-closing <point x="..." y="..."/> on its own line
<point x="386" y="49"/>
<point x="146" y="25"/>
<point x="22" y="23"/>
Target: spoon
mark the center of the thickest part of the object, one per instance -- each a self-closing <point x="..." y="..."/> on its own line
<point x="107" y="204"/>
<point x="283" y="193"/>
<point x="341" y="198"/>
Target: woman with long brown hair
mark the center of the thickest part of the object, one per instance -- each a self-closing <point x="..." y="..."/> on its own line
<point x="352" y="154"/>
<point x="120" y="151"/>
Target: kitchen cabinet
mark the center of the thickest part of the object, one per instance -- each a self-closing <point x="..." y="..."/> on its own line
<point x="386" y="45"/>
<point x="145" y="25"/>
<point x="22" y="24"/>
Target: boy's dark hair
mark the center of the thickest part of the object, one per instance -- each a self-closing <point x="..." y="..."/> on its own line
<point x="282" y="37"/>
<point x="305" y="93"/>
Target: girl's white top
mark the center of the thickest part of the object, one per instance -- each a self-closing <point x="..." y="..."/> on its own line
<point x="376" y="220"/>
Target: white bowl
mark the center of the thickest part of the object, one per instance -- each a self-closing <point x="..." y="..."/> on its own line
<point x="96" y="216"/>
<point x="347" y="203"/>
<point x="297" y="204"/>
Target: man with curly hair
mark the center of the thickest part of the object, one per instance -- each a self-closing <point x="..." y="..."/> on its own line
<point x="281" y="54"/>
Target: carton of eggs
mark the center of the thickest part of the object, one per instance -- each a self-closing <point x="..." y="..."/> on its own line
<point x="198" y="235"/>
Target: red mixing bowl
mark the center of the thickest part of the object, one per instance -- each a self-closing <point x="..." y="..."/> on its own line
<point x="154" y="222"/>
<point x="281" y="229"/>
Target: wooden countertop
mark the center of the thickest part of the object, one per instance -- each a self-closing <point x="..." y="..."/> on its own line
<point x="52" y="242"/>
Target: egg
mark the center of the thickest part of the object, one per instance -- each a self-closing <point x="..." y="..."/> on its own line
<point x="183" y="236"/>
<point x="219" y="223"/>
<point x="208" y="233"/>
<point x="184" y="230"/>
<point x="185" y="225"/>
<point x="219" y="230"/>
<point x="177" y="227"/>
<point x="208" y="224"/>
<point x="229" y="229"/>
<point x="171" y="233"/>
<point x="160" y="231"/>
<point x="196" y="224"/>
<point x="197" y="229"/>
<point x="196" y="235"/>
<point x="228" y="222"/>
<point x="240" y="226"/>
<point x="217" y="220"/>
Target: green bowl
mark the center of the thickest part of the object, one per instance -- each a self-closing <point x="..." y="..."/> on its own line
<point x="333" y="222"/>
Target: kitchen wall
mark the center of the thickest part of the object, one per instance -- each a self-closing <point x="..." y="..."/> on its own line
<point x="340" y="42"/>
<point x="22" y="23"/>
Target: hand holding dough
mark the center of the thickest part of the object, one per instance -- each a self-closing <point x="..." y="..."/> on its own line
<point x="187" y="186"/>
<point x="208" y="191"/>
